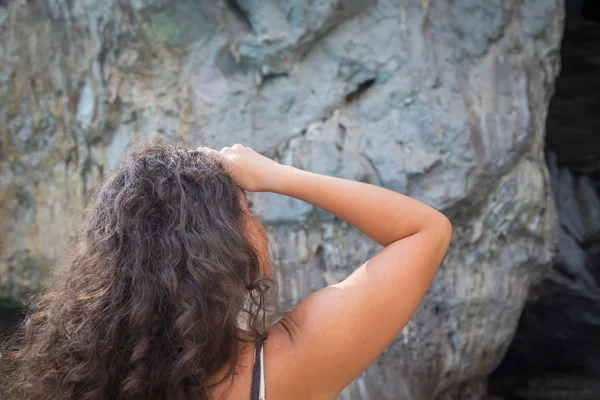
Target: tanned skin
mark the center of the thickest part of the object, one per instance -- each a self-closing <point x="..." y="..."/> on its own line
<point x="333" y="335"/>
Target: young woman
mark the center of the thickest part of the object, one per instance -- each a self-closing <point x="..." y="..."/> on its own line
<point x="164" y="293"/>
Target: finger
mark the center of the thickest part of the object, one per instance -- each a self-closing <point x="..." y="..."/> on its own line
<point x="237" y="146"/>
<point x="225" y="149"/>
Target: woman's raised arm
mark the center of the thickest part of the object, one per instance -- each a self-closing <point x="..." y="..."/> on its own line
<point x="340" y="330"/>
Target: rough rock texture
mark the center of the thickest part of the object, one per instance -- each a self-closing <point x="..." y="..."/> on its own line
<point x="441" y="100"/>
<point x="556" y="351"/>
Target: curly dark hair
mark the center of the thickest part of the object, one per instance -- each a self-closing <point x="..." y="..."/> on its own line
<point x="148" y="303"/>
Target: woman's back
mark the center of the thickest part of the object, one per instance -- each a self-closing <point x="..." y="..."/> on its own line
<point x="150" y="303"/>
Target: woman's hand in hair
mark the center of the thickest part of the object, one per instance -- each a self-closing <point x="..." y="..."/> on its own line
<point x="252" y="171"/>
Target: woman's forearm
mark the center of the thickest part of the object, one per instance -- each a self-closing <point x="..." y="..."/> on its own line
<point x="383" y="215"/>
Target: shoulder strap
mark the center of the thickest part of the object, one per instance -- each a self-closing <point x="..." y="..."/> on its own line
<point x="261" y="394"/>
<point x="257" y="373"/>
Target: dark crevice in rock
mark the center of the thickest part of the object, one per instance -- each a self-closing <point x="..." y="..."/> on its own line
<point x="555" y="353"/>
<point x="321" y="262"/>
<point x="275" y="75"/>
<point x="591" y="11"/>
<point x="239" y="12"/>
<point x="270" y="77"/>
<point x="360" y="90"/>
<point x="570" y="233"/>
<point x="374" y="168"/>
<point x="573" y="120"/>
<point x="342" y="134"/>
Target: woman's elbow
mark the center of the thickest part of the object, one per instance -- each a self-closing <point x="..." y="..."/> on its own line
<point x="443" y="229"/>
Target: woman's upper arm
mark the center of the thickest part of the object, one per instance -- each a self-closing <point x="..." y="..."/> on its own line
<point x="338" y="331"/>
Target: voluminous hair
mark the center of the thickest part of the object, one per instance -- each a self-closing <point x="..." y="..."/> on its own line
<point x="148" y="302"/>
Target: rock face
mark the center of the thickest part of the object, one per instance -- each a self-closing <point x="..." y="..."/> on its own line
<point x="444" y="101"/>
<point x="556" y="351"/>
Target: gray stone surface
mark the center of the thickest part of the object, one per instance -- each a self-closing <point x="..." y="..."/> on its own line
<point x="444" y="101"/>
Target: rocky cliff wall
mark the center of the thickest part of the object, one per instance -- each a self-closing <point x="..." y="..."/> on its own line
<point x="441" y="100"/>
